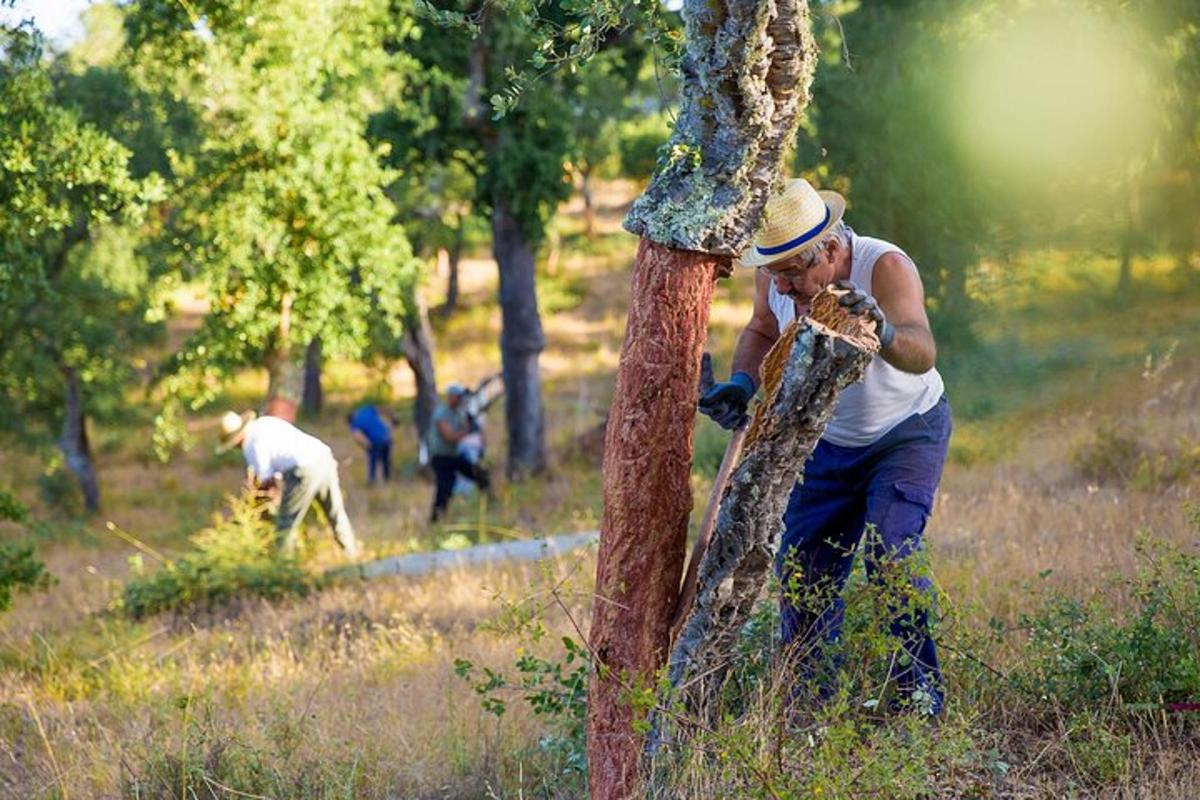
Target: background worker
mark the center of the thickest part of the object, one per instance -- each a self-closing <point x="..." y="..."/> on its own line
<point x="881" y="456"/>
<point x="272" y="446"/>
<point x="371" y="427"/>
<point x="450" y="425"/>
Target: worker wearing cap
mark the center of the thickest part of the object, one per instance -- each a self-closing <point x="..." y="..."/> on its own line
<point x="449" y="426"/>
<point x="881" y="456"/>
<point x="274" y="447"/>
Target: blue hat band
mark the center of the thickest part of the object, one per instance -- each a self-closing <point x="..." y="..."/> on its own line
<point x="807" y="236"/>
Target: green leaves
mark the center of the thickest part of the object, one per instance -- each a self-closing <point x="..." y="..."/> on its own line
<point x="65" y="193"/>
<point x="283" y="203"/>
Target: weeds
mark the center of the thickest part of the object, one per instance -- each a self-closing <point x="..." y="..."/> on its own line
<point x="234" y="557"/>
<point x="553" y="685"/>
<point x="212" y="762"/>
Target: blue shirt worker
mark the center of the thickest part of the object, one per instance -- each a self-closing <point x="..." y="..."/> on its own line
<point x="275" y="449"/>
<point x="450" y="425"/>
<point x="880" y="459"/>
<point x="372" y="430"/>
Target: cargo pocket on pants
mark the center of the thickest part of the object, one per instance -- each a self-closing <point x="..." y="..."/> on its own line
<point x="906" y="517"/>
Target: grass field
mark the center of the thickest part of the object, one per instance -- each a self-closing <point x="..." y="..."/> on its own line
<point x="1076" y="428"/>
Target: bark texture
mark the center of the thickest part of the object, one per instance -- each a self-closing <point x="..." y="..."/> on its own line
<point x="521" y="342"/>
<point x="803" y="377"/>
<point x="647" y="500"/>
<point x="418" y="352"/>
<point x="314" y="394"/>
<point x="74" y="444"/>
<point x="746" y="76"/>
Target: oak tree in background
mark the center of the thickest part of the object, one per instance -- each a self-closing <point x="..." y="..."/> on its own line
<point x="73" y="296"/>
<point x="281" y="211"/>
<point x="523" y="150"/>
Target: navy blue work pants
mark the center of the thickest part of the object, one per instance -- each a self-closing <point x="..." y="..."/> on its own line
<point x="889" y="484"/>
<point x="379" y="458"/>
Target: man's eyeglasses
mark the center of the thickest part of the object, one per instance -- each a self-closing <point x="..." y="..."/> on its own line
<point x="787" y="273"/>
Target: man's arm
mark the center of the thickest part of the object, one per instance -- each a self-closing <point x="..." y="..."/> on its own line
<point x="897" y="287"/>
<point x="448" y="433"/>
<point x="759" y="334"/>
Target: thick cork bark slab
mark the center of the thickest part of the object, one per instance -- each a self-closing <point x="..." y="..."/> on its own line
<point x="802" y="377"/>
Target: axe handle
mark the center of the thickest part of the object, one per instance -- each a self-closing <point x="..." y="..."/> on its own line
<point x="687" y="594"/>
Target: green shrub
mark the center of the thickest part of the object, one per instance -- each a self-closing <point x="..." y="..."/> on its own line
<point x="1111" y="454"/>
<point x="235" y="557"/>
<point x="19" y="569"/>
<point x="1084" y="655"/>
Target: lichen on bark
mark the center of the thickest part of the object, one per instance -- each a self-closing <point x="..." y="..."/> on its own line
<point x="803" y="376"/>
<point x="746" y="76"/>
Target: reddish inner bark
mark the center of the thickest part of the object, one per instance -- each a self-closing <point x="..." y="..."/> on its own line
<point x="647" y="500"/>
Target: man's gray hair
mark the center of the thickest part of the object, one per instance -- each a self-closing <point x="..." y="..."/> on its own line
<point x="840" y="231"/>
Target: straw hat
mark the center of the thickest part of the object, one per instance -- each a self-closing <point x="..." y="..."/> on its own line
<point x="793" y="219"/>
<point x="233" y="425"/>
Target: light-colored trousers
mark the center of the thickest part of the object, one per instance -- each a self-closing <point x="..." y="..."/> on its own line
<point x="301" y="486"/>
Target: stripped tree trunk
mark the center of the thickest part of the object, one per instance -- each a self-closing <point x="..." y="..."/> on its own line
<point x="521" y="342"/>
<point x="74" y="440"/>
<point x="802" y="378"/>
<point x="417" y="345"/>
<point x="746" y="74"/>
<point x="647" y="498"/>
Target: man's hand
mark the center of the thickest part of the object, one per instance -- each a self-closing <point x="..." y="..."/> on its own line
<point x="726" y="402"/>
<point x="861" y="304"/>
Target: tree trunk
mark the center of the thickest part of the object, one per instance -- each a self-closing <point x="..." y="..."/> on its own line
<point x="521" y="342"/>
<point x="452" y="255"/>
<point x="647" y="499"/>
<point x="589" y="207"/>
<point x="314" y="395"/>
<point x="746" y="75"/>
<point x="418" y="352"/>
<point x="803" y="376"/>
<point x="285" y="381"/>
<point x="74" y="441"/>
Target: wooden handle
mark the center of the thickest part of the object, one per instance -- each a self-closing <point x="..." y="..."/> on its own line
<point x="687" y="593"/>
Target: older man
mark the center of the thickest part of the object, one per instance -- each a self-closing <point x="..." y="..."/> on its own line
<point x="274" y="447"/>
<point x="880" y="459"/>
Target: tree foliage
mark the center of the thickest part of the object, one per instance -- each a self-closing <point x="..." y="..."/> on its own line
<point x="73" y="297"/>
<point x="281" y="211"/>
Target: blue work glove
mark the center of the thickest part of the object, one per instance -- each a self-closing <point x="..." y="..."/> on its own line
<point x="726" y="402"/>
<point x="861" y="304"/>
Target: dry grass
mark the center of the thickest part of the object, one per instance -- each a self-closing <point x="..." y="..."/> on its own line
<point x="352" y="693"/>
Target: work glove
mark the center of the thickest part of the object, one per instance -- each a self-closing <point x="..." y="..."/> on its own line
<point x="726" y="402"/>
<point x="861" y="304"/>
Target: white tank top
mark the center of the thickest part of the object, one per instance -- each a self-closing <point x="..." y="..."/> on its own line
<point x="885" y="396"/>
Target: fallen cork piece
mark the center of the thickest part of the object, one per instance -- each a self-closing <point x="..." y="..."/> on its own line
<point x="813" y="360"/>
